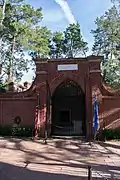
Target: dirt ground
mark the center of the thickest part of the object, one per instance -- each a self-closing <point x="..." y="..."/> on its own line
<point x="58" y="160"/>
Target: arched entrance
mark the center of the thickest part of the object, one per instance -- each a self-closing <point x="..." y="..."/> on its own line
<point x="68" y="110"/>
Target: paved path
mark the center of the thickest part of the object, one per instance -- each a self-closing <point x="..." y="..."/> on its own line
<point x="58" y="160"/>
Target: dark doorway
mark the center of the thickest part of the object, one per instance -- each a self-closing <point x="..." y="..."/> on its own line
<point x="68" y="110"/>
<point x="64" y="117"/>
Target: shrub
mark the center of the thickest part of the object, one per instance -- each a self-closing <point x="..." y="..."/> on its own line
<point x="17" y="132"/>
<point x="5" y="131"/>
<point x="110" y="134"/>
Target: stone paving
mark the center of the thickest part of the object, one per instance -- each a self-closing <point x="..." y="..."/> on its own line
<point x="58" y="160"/>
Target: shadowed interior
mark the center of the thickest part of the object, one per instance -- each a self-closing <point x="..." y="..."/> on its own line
<point x="68" y="109"/>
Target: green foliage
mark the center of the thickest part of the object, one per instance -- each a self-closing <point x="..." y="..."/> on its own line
<point x="107" y="43"/>
<point x="68" y="44"/>
<point x="0" y="14"/>
<point x="57" y="45"/>
<point x="116" y="2"/>
<point x="2" y="89"/>
<point x="107" y="34"/>
<point x="2" y="86"/>
<point x="111" y="72"/>
<point x="74" y="44"/>
<point x="16" y="132"/>
<point x="38" y="42"/>
<point x="22" y="132"/>
<point x="20" y="32"/>
<point x="111" y="134"/>
<point x="5" y="131"/>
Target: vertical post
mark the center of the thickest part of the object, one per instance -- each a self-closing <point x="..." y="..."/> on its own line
<point x="89" y="173"/>
<point x="103" y="129"/>
<point x="85" y="108"/>
<point x="37" y="116"/>
<point x="46" y="121"/>
<point x="38" y="100"/>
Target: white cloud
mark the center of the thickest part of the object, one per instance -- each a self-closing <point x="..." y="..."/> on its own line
<point x="67" y="11"/>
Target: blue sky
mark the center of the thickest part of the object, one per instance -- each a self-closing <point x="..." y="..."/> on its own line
<point x="84" y="11"/>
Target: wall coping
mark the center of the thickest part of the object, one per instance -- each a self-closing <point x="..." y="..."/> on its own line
<point x="91" y="58"/>
<point x="111" y="97"/>
<point x="17" y="98"/>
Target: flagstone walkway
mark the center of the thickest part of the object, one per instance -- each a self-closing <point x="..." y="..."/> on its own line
<point x="58" y="160"/>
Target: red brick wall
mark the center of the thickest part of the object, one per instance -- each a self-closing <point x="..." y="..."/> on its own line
<point x="110" y="112"/>
<point x="10" y="108"/>
<point x="88" y="77"/>
<point x="48" y="71"/>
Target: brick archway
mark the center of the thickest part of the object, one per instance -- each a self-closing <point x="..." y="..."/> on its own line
<point x="68" y="109"/>
<point x="62" y="77"/>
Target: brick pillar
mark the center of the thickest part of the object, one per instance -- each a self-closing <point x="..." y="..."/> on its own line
<point x="94" y="85"/>
<point x="42" y="110"/>
<point x="88" y="99"/>
<point x="41" y="77"/>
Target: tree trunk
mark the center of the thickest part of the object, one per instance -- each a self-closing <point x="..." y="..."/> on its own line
<point x="1" y="23"/>
<point x="3" y="12"/>
<point x="11" y="62"/>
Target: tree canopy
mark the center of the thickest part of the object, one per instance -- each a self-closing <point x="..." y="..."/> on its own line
<point x="107" y="43"/>
<point x="70" y="43"/>
<point x="20" y="32"/>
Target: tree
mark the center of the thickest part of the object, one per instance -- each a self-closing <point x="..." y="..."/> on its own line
<point x="21" y="33"/>
<point x="73" y="42"/>
<point x="57" y="45"/>
<point x="38" y="42"/>
<point x="116" y="2"/>
<point x="2" y="11"/>
<point x="69" y="43"/>
<point x="111" y="72"/>
<point x="107" y="43"/>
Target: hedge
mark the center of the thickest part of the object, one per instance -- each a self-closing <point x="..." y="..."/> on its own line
<point x="110" y="134"/>
<point x="17" y="132"/>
